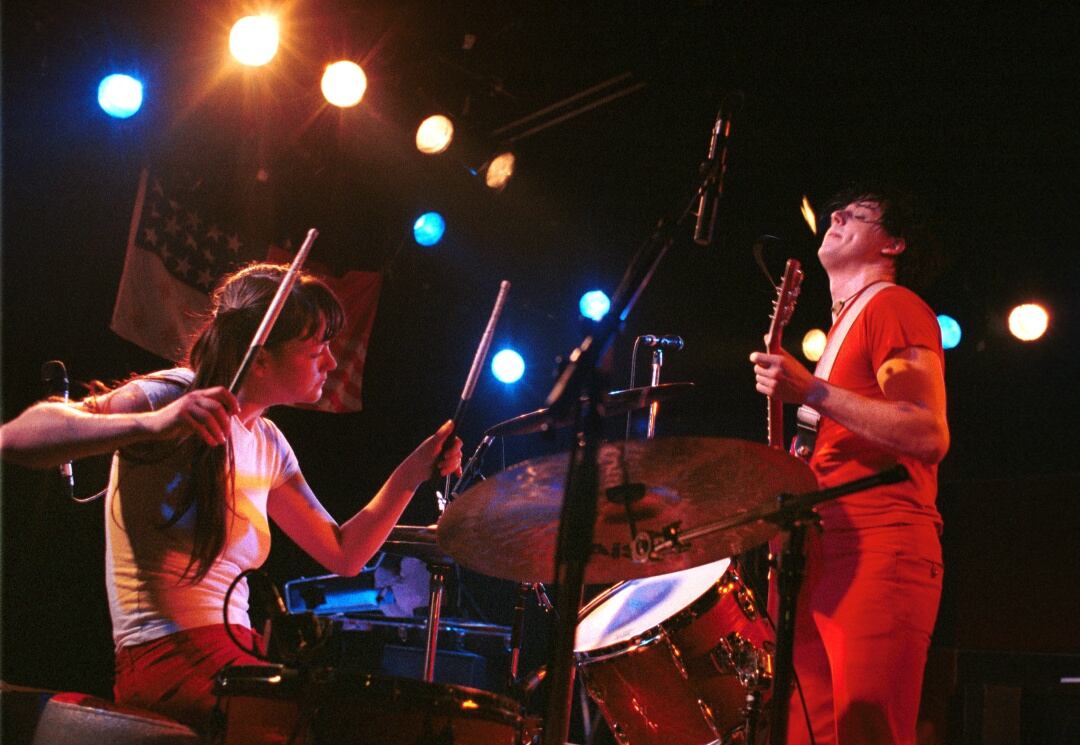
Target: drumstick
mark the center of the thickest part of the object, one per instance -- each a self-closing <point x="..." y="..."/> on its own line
<point x="272" y="312"/>
<point x="474" y="371"/>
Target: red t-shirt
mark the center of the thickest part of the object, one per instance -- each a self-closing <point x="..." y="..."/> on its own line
<point x="894" y="319"/>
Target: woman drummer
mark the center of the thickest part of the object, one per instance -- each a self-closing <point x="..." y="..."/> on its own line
<point x="195" y="475"/>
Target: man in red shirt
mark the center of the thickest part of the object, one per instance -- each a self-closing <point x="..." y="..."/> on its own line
<point x="873" y="581"/>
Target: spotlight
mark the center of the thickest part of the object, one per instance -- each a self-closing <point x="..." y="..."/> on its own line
<point x="808" y="215"/>
<point x="253" y="40"/>
<point x="507" y="366"/>
<point x="813" y="344"/>
<point x="344" y="83"/>
<point x="499" y="171"/>
<point x="1029" y="321"/>
<point x="594" y="304"/>
<point x="434" y="135"/>
<point x="120" y="96"/>
<point x="950" y="331"/>
<point x="429" y="228"/>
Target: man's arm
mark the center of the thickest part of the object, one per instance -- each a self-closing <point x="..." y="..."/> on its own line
<point x="910" y="421"/>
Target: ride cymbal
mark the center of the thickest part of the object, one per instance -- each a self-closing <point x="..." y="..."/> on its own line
<point x="507" y="525"/>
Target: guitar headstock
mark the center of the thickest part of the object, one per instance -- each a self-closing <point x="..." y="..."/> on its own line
<point x="784" y="304"/>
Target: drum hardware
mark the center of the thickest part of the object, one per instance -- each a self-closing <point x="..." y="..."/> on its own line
<point x="274" y="703"/>
<point x="435" y="596"/>
<point x="613" y="403"/>
<point x="736" y="655"/>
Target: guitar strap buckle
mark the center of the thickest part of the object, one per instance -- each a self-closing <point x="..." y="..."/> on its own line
<point x="805" y="432"/>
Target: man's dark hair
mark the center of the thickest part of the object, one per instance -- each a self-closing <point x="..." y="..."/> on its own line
<point x="902" y="216"/>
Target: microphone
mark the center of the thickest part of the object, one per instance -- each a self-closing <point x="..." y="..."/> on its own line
<point x="55" y="379"/>
<point x="713" y="169"/>
<point x="664" y="342"/>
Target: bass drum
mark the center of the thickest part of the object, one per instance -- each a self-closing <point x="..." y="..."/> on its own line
<point x="669" y="659"/>
<point x="271" y="704"/>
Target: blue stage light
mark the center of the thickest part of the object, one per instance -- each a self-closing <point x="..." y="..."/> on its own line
<point x="507" y="366"/>
<point x="594" y="304"/>
<point x="429" y="228"/>
<point x="950" y="331"/>
<point x="120" y="96"/>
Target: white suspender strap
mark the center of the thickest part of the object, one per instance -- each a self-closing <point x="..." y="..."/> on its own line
<point x="808" y="418"/>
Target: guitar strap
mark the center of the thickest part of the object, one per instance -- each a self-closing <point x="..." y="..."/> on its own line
<point x="808" y="418"/>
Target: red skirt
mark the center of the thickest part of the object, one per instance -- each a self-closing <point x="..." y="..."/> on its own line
<point x="174" y="675"/>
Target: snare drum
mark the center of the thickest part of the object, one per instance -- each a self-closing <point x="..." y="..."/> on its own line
<point x="272" y="704"/>
<point x="669" y="659"/>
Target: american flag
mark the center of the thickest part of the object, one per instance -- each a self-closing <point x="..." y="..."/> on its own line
<point x="178" y="248"/>
<point x="359" y="295"/>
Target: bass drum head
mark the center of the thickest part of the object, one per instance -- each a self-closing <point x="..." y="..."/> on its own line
<point x="629" y="609"/>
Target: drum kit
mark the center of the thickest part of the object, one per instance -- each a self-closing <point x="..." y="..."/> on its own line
<point x="670" y="653"/>
<point x="678" y="651"/>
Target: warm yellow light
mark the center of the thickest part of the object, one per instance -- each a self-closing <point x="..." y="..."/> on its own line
<point x="813" y="344"/>
<point x="808" y="215"/>
<point x="253" y="40"/>
<point x="1029" y="321"/>
<point x="434" y="135"/>
<point x="344" y="83"/>
<point x="499" y="171"/>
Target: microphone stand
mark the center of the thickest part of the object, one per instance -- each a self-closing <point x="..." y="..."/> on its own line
<point x="580" y="386"/>
<point x="654" y="407"/>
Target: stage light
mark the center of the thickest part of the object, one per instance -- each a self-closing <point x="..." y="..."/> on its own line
<point x="120" y="96"/>
<point x="434" y="135"/>
<point x="499" y="171"/>
<point x="950" y="331"/>
<point x="813" y="344"/>
<point x="594" y="304"/>
<point x="1029" y="321"/>
<point x="253" y="40"/>
<point x="808" y="215"/>
<point x="429" y="228"/>
<point x="344" y="83"/>
<point x="507" y="366"/>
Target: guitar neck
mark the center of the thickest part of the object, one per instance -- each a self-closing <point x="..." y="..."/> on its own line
<point x="775" y="411"/>
<point x="784" y="306"/>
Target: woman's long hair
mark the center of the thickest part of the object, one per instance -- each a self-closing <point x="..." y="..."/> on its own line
<point x="238" y="306"/>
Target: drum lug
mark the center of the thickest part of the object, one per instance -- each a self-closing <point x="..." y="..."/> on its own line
<point x="676" y="655"/>
<point x="736" y="655"/>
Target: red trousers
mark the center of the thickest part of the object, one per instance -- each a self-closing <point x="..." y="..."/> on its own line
<point x="863" y="623"/>
<point x="174" y="675"/>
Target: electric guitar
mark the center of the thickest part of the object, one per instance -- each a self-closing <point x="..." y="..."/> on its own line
<point x="783" y="307"/>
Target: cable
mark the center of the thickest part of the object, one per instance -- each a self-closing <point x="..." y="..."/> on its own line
<point x="254" y="652"/>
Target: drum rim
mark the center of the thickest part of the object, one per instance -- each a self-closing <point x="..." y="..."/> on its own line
<point x="259" y="681"/>
<point x="679" y="620"/>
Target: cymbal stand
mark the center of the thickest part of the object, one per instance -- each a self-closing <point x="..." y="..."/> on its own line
<point x="792" y="568"/>
<point x="436" y="587"/>
<point x="524" y="590"/>
<point x="579" y="386"/>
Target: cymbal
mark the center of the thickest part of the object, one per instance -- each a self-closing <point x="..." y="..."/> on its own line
<point x="416" y="541"/>
<point x="507" y="525"/>
<point x="613" y="404"/>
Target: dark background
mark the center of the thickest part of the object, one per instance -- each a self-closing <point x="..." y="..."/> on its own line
<point x="971" y="104"/>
